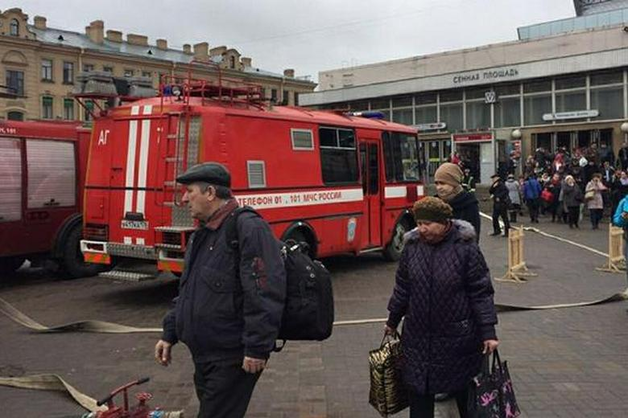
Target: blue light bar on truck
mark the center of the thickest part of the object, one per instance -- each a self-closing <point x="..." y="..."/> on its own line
<point x="367" y="114"/>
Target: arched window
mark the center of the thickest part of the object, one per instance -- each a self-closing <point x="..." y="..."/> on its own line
<point x="232" y="62"/>
<point x="15" y="115"/>
<point x="14" y="28"/>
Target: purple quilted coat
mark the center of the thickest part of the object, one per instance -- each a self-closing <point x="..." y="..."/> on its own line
<point x="445" y="293"/>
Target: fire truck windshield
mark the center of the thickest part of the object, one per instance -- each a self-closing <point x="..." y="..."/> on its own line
<point x="401" y="157"/>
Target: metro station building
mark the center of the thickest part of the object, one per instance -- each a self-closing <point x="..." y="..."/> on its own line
<point x="562" y="83"/>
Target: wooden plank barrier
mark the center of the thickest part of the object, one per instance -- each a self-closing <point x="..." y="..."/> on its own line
<point x="616" y="261"/>
<point x="517" y="269"/>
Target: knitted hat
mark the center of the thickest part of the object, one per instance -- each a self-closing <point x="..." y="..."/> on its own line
<point x="449" y="173"/>
<point x="431" y="209"/>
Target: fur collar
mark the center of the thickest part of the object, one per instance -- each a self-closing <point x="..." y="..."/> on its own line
<point x="465" y="230"/>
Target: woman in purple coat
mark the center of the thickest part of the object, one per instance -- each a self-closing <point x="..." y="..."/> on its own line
<point x="444" y="291"/>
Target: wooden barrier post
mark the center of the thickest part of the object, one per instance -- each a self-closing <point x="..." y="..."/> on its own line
<point x="517" y="269"/>
<point x="616" y="261"/>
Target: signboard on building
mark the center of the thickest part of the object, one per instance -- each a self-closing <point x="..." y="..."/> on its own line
<point x="479" y="137"/>
<point x="490" y="97"/>
<point x="578" y="114"/>
<point x="422" y="127"/>
<point x="489" y="76"/>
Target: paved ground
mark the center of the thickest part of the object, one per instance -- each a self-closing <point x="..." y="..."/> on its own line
<point x="565" y="363"/>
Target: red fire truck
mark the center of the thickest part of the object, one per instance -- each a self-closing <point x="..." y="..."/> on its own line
<point x="42" y="172"/>
<point x="341" y="182"/>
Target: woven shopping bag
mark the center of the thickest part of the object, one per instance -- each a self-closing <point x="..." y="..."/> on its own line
<point x="491" y="393"/>
<point x="388" y="394"/>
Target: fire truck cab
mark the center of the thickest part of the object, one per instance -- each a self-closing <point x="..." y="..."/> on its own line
<point x="42" y="168"/>
<point x="341" y="182"/>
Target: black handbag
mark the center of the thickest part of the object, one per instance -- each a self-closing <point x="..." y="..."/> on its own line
<point x="491" y="393"/>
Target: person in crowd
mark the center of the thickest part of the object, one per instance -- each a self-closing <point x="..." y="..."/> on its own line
<point x="499" y="193"/>
<point x="559" y="160"/>
<point x="529" y="166"/>
<point x="531" y="195"/>
<point x="468" y="181"/>
<point x="589" y="170"/>
<point x="606" y="154"/>
<point x="514" y="193"/>
<point x="594" y="201"/>
<point x="608" y="173"/>
<point x="619" y="189"/>
<point x="572" y="197"/>
<point x="622" y="157"/>
<point x="230" y="304"/>
<point x="448" y="181"/>
<point x="443" y="292"/>
<point x="554" y="204"/>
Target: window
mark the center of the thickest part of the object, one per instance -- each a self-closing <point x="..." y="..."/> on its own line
<point x="451" y="114"/>
<point x="46" y="107"/>
<point x="286" y="97"/>
<point x="68" y="72"/>
<point x="88" y="68"/>
<point x="232" y="62"/>
<point x="535" y="107"/>
<point x="302" y="139"/>
<point x="15" y="82"/>
<point x="605" y="78"/>
<point x="11" y="173"/>
<point x="296" y="98"/>
<point x="537" y="86"/>
<point x="338" y="155"/>
<point x="147" y="74"/>
<point x="451" y="96"/>
<point x="403" y="116"/>
<point x="380" y="104"/>
<point x="571" y="101"/>
<point x="508" y="112"/>
<point x="402" y="101"/>
<point x="256" y="173"/>
<point x="89" y="107"/>
<point x="400" y="157"/>
<point x="425" y="98"/>
<point x="68" y="109"/>
<point x="478" y="115"/>
<point x="107" y="69"/>
<point x="46" y="70"/>
<point x="426" y="114"/>
<point x="506" y="89"/>
<point x="128" y="72"/>
<point x="51" y="174"/>
<point x="609" y="101"/>
<point x="15" y="115"/>
<point x="571" y="82"/>
<point x="273" y="95"/>
<point x="14" y="28"/>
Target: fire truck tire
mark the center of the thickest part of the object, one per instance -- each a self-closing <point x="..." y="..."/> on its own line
<point x="393" y="250"/>
<point x="299" y="236"/>
<point x="72" y="264"/>
<point x="10" y="264"/>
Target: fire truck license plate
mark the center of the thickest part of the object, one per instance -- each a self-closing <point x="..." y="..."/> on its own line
<point x="126" y="224"/>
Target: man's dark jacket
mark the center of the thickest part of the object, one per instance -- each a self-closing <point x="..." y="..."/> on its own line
<point x="225" y="310"/>
<point x="499" y="191"/>
<point x="445" y="293"/>
<point x="465" y="207"/>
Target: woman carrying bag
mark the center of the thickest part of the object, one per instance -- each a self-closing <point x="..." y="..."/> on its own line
<point x="443" y="289"/>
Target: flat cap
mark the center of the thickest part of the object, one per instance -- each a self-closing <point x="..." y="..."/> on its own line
<point x="211" y="172"/>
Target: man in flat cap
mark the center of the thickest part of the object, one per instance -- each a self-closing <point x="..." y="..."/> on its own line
<point x="230" y="300"/>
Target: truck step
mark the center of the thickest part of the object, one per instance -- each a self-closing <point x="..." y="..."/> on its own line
<point x="173" y="228"/>
<point x="127" y="276"/>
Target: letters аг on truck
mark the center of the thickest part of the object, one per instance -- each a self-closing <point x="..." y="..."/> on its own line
<point x="342" y="182"/>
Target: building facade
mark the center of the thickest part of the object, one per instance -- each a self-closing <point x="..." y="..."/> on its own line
<point x="40" y="65"/>
<point x="562" y="84"/>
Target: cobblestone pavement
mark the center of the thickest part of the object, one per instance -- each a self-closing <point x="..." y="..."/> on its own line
<point x="565" y="363"/>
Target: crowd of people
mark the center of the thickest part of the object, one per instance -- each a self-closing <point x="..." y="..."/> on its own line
<point x="564" y="185"/>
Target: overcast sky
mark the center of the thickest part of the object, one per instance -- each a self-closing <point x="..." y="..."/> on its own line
<point x="309" y="36"/>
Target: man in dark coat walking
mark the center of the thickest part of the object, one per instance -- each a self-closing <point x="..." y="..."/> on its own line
<point x="230" y="300"/>
<point x="443" y="288"/>
<point x="501" y="202"/>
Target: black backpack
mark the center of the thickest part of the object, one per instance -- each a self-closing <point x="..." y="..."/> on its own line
<point x="309" y="309"/>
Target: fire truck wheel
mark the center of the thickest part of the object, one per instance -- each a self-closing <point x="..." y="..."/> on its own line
<point x="10" y="264"/>
<point x="392" y="252"/>
<point x="72" y="264"/>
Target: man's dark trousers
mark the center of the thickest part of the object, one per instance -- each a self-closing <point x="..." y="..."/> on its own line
<point x="223" y="388"/>
<point x="500" y="210"/>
